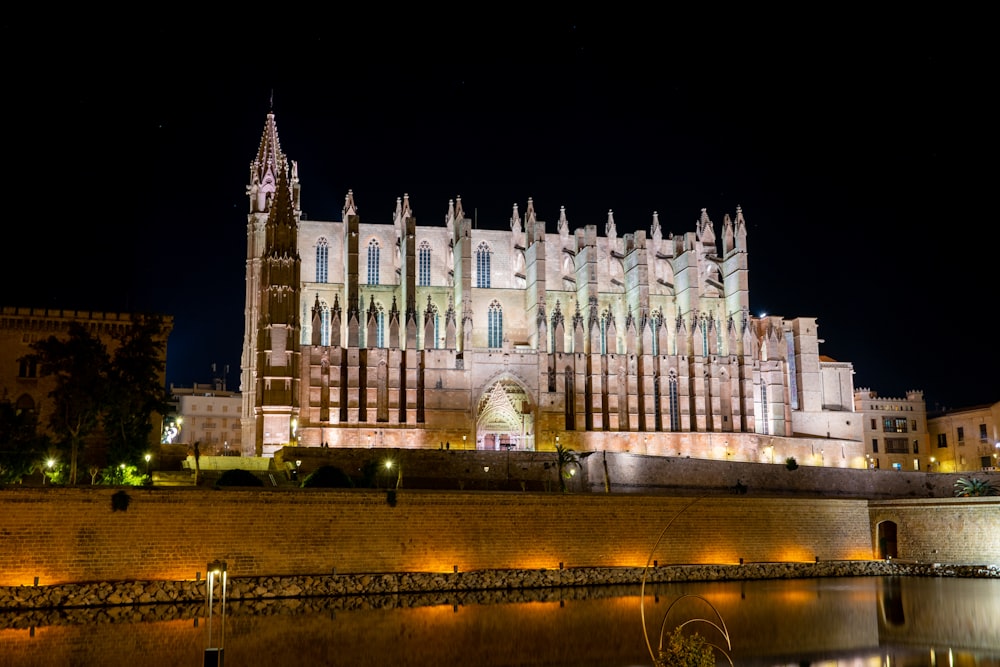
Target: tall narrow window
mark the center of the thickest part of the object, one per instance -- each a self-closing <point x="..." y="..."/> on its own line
<point x="765" y="410"/>
<point x="675" y="405"/>
<point x="495" y="325"/>
<point x="373" y="259"/>
<point x="322" y="260"/>
<point x="324" y="333"/>
<point x="424" y="264"/>
<point x="483" y="265"/>
<point x="604" y="334"/>
<point x="381" y="327"/>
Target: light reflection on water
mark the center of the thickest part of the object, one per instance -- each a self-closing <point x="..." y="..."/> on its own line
<point x="856" y="622"/>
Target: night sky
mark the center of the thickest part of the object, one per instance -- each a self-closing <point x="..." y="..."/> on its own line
<point x="859" y="153"/>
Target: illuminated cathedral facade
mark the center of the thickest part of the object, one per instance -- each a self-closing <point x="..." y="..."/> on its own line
<point x="394" y="334"/>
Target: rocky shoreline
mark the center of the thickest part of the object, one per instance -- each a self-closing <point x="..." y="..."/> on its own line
<point x="26" y="606"/>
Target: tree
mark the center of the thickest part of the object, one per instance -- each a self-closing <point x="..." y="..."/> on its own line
<point x="135" y="389"/>
<point x="79" y="363"/>
<point x="565" y="457"/>
<point x="21" y="446"/>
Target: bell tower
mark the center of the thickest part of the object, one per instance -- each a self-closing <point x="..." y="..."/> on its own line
<point x="269" y="378"/>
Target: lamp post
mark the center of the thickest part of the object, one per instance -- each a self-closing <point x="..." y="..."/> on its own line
<point x="48" y="464"/>
<point x="148" y="456"/>
<point x="463" y="440"/>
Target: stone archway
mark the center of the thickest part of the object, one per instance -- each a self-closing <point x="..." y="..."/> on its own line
<point x="886" y="533"/>
<point x="504" y="417"/>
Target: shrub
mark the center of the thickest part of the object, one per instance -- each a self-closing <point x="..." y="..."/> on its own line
<point x="686" y="651"/>
<point x="791" y="463"/>
<point x="965" y="488"/>
<point x="327" y="477"/>
<point x="238" y="477"/>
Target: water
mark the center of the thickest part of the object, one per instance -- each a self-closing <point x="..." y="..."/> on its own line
<point x="856" y="621"/>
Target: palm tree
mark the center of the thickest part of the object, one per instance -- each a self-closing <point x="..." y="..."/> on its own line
<point x="565" y="457"/>
<point x="965" y="488"/>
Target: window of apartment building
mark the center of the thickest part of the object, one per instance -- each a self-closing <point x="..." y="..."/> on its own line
<point x="27" y="368"/>
<point x="982" y="432"/>
<point x="894" y="424"/>
<point x="209" y="408"/>
<point x="875" y="445"/>
<point x="942" y="440"/>
<point x="896" y="446"/>
<point x="874" y="424"/>
<point x="913" y="425"/>
<point x="916" y="446"/>
<point x="961" y="435"/>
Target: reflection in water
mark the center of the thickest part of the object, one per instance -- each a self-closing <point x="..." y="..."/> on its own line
<point x="856" y="621"/>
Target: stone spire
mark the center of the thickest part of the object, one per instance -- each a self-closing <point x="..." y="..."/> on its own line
<point x="563" y="225"/>
<point x="349" y="206"/>
<point x="265" y="167"/>
<point x="515" y="221"/>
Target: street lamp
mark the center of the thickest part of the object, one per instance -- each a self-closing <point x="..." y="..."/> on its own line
<point x="148" y="456"/>
<point x="463" y="441"/>
<point x="49" y="463"/>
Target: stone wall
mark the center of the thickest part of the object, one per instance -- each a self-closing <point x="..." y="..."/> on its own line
<point x="486" y="586"/>
<point x="63" y="535"/>
<point x="457" y="469"/>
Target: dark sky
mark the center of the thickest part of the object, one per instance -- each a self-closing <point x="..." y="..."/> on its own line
<point x="860" y="153"/>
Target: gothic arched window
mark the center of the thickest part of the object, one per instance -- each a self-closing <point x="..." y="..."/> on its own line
<point x="322" y="260"/>
<point x="424" y="264"/>
<point x="495" y="325"/>
<point x="483" y="265"/>
<point x="324" y="331"/>
<point x="373" y="261"/>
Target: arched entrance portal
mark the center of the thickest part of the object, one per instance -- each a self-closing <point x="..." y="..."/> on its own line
<point x="886" y="532"/>
<point x="504" y="419"/>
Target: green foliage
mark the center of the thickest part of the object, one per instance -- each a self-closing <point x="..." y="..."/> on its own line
<point x="93" y="388"/>
<point x="682" y="650"/>
<point x="791" y="463"/>
<point x="122" y="475"/>
<point x="20" y="445"/>
<point x="238" y="477"/>
<point x="328" y="477"/>
<point x="79" y="363"/>
<point x="135" y="389"/>
<point x="973" y="486"/>
<point x="565" y="458"/>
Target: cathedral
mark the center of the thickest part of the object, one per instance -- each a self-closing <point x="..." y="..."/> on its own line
<point x="394" y="334"/>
